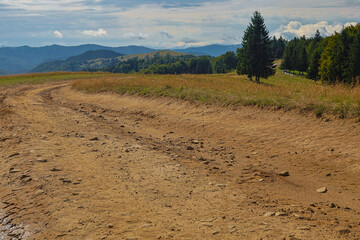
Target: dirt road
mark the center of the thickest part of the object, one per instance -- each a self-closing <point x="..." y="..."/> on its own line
<point x="81" y="166"/>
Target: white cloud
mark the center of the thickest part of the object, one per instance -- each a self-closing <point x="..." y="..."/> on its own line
<point x="137" y="36"/>
<point x="296" y="29"/>
<point x="98" y="33"/>
<point x="58" y="34"/>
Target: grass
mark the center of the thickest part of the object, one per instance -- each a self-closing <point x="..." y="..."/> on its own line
<point x="280" y="91"/>
<point x="36" y="78"/>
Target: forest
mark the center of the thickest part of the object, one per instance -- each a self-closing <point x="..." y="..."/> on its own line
<point x="334" y="59"/>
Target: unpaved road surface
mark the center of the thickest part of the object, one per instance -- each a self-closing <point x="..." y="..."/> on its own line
<point x="102" y="166"/>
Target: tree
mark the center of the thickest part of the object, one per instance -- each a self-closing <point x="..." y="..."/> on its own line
<point x="255" y="57"/>
<point x="225" y="63"/>
<point x="355" y="58"/>
<point x="330" y="69"/>
<point x="313" y="70"/>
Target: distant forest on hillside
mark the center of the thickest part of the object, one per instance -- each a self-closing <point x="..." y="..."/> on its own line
<point x="191" y="64"/>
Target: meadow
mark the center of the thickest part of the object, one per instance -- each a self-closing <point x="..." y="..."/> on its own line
<point x="281" y="91"/>
<point x="36" y="78"/>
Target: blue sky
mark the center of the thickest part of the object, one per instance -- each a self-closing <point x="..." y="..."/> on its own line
<point x="164" y="23"/>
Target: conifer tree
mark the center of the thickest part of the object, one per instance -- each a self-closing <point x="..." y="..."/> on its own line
<point x="256" y="57"/>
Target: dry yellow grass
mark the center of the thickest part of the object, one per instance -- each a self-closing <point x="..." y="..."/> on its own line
<point x="34" y="78"/>
<point x="280" y="91"/>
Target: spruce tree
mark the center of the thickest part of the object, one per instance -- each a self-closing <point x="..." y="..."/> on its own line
<point x="256" y="57"/>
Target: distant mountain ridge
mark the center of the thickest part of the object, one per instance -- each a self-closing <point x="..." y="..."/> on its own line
<point x="98" y="59"/>
<point x="23" y="59"/>
<point x="14" y="60"/>
<point x="76" y="63"/>
<point x="213" y="50"/>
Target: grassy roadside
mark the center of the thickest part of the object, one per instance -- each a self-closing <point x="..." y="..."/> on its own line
<point x="280" y="91"/>
<point x="35" y="78"/>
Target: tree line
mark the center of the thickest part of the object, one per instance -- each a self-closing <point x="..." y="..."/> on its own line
<point x="334" y="59"/>
<point x="176" y="64"/>
<point x="186" y="64"/>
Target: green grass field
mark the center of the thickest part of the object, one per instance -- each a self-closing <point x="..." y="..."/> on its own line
<point x="279" y="92"/>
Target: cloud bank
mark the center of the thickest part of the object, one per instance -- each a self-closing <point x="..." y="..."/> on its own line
<point x="297" y="29"/>
<point x="166" y="23"/>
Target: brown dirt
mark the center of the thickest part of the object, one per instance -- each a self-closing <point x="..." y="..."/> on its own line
<point x="81" y="166"/>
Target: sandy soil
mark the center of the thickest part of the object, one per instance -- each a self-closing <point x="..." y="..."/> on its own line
<point x="102" y="166"/>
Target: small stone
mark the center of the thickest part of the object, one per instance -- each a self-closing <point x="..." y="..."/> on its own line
<point x="284" y="174"/>
<point x="207" y="224"/>
<point x="42" y="160"/>
<point x="344" y="231"/>
<point x="215" y="232"/>
<point x="269" y="214"/>
<point x="280" y="214"/>
<point x="195" y="141"/>
<point x="54" y="169"/>
<point x="310" y="210"/>
<point x="322" y="190"/>
<point x="12" y="170"/>
<point x="221" y="185"/>
<point x="24" y="176"/>
<point x="189" y="148"/>
<point x="66" y="181"/>
<point x="233" y="230"/>
<point x="304" y="228"/>
<point x="94" y="139"/>
<point x="110" y="226"/>
<point x="26" y="180"/>
<point x="261" y="180"/>
<point x="332" y="205"/>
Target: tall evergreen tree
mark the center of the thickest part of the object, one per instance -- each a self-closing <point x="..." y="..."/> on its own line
<point x="255" y="57"/>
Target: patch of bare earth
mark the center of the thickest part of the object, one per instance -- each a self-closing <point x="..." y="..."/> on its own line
<point x="103" y="166"/>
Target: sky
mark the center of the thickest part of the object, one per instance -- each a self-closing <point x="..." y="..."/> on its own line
<point x="164" y="23"/>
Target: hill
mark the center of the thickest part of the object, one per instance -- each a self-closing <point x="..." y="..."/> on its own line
<point x="24" y="59"/>
<point x="98" y="59"/>
<point x="161" y="53"/>
<point x="213" y="50"/>
<point x="77" y="63"/>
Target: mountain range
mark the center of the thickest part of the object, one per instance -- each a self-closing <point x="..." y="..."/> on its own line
<point x="14" y="60"/>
